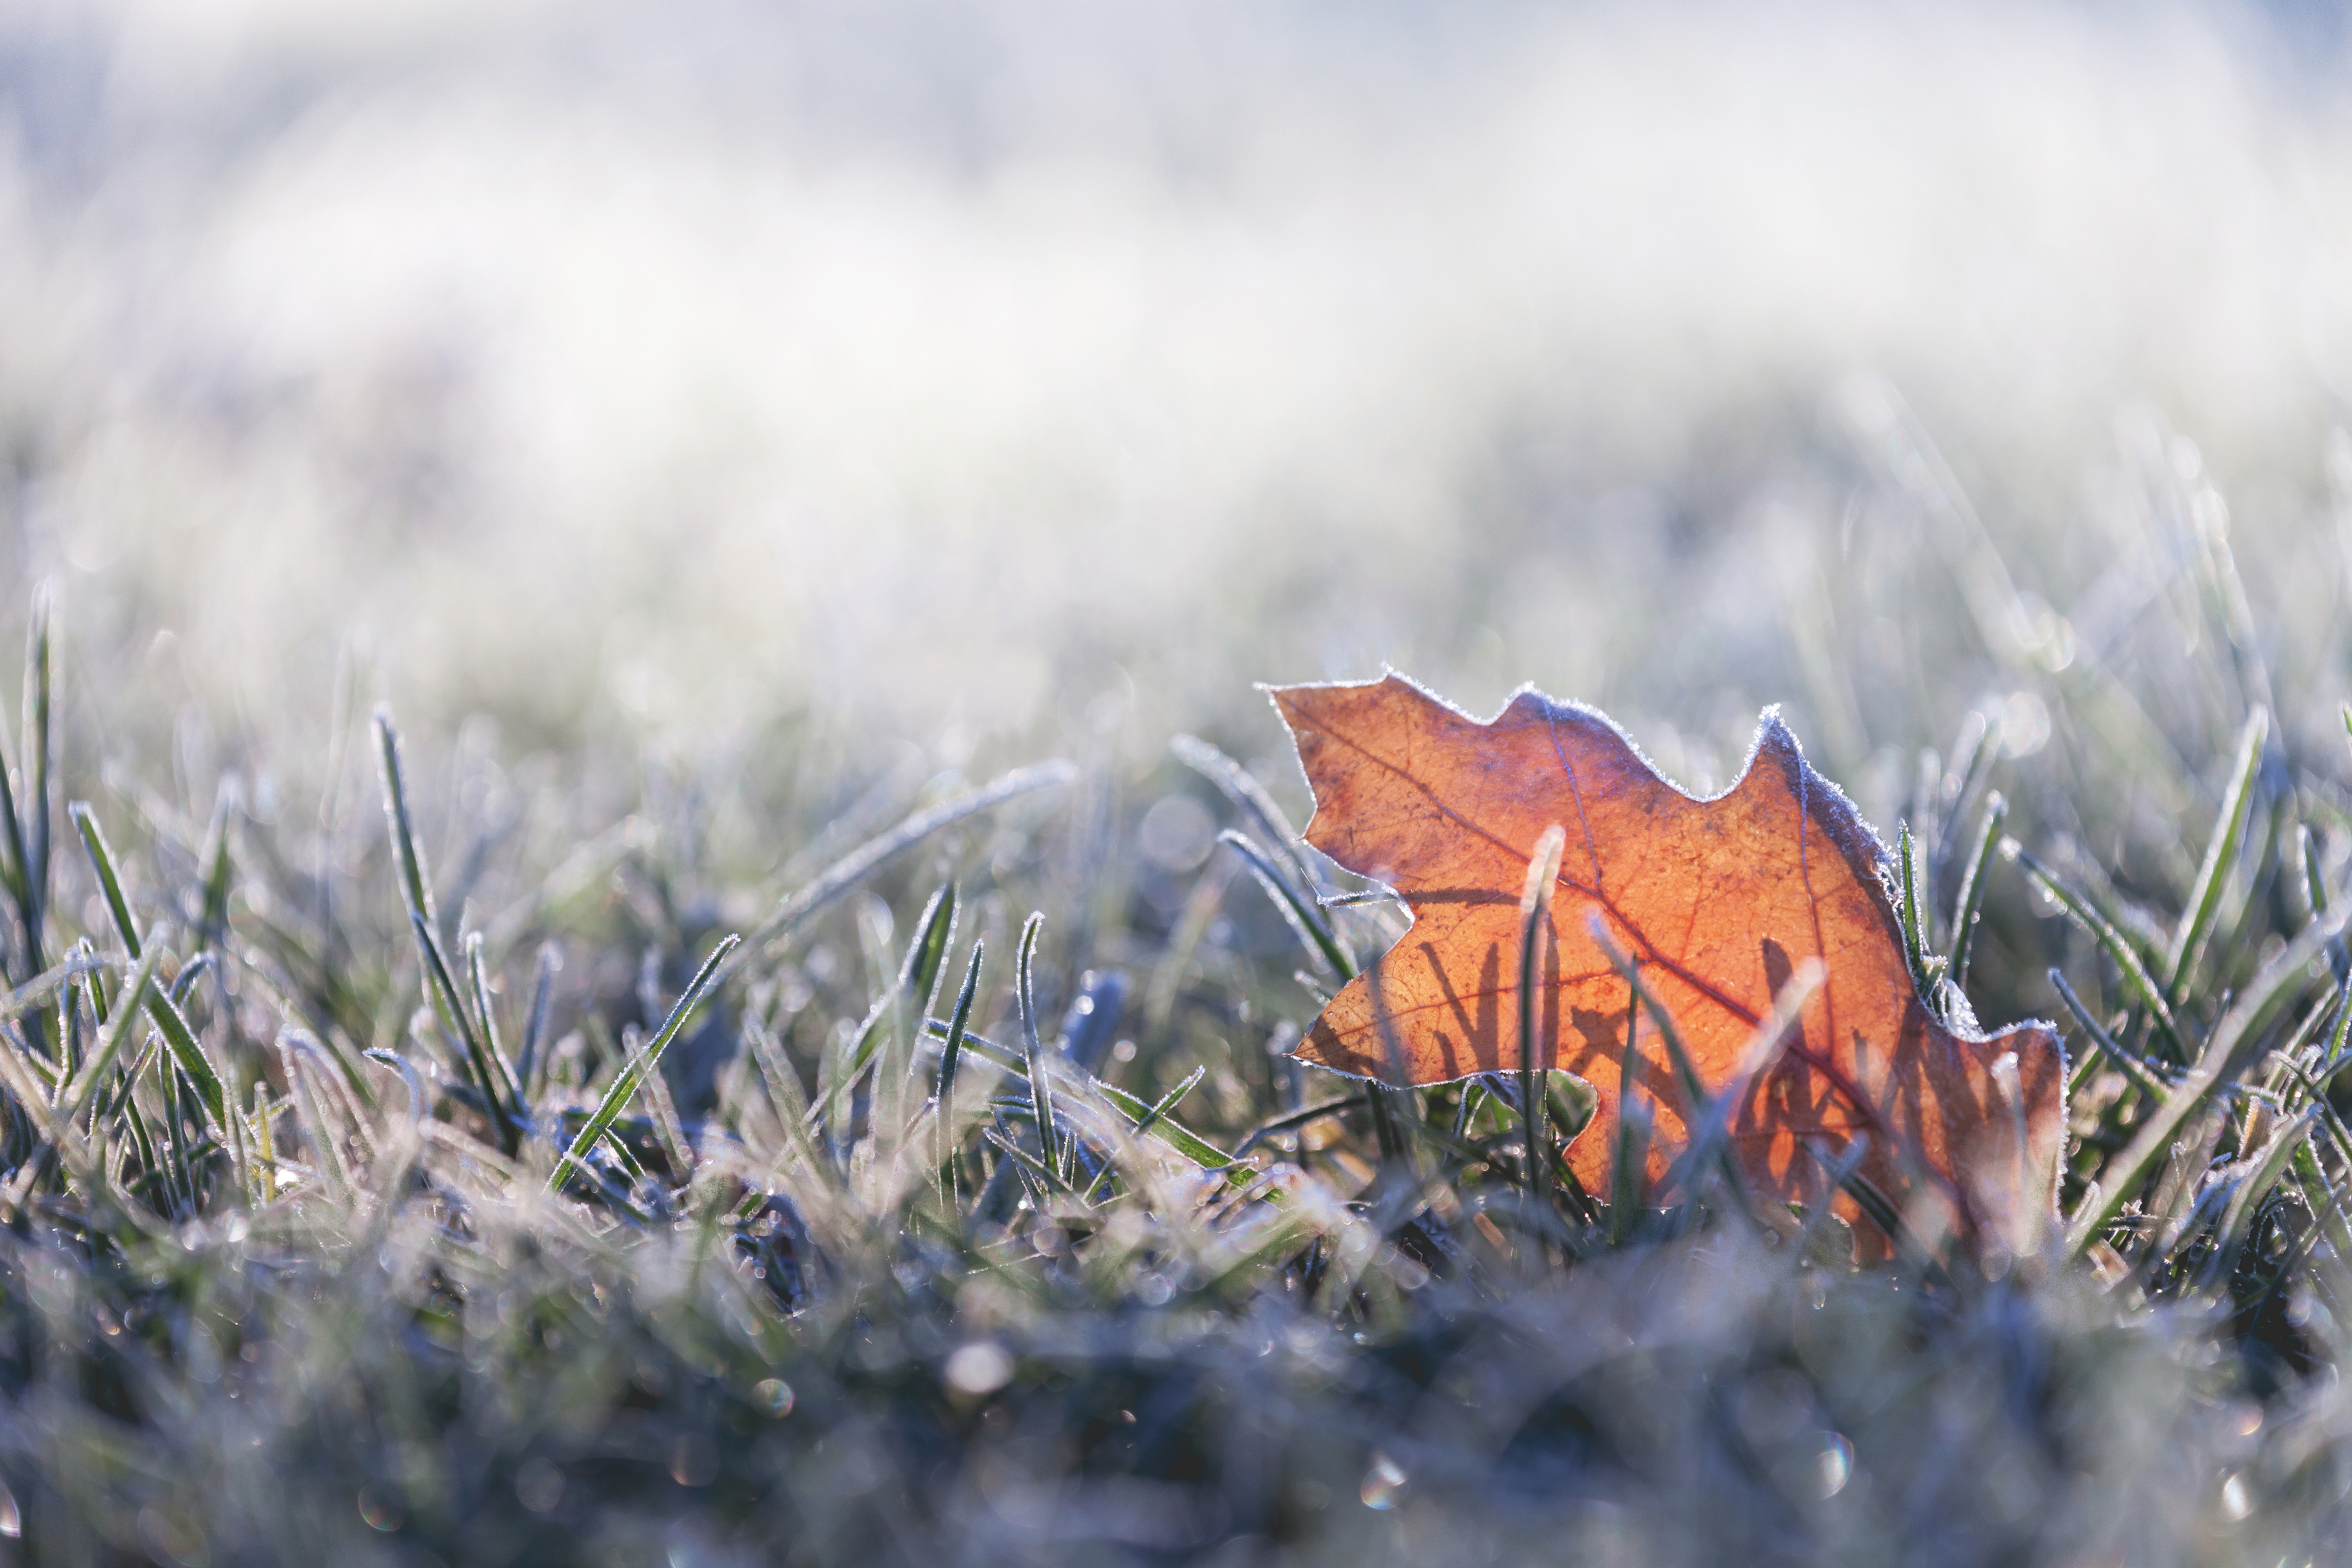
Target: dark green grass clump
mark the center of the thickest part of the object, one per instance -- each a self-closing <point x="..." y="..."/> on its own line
<point x="943" y="1193"/>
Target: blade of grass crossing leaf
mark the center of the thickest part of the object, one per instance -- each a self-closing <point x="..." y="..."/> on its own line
<point x="1535" y="925"/>
<point x="625" y="1087"/>
<point x="1629" y="1167"/>
<point x="1972" y="884"/>
<point x="1710" y="1136"/>
<point x="1661" y="1019"/>
<point x="2221" y="856"/>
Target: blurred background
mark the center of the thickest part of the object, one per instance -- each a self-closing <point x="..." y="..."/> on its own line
<point x="977" y="380"/>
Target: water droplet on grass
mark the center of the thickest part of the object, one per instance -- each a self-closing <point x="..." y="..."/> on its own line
<point x="775" y="1397"/>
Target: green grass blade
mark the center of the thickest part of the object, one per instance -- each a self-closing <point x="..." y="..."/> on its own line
<point x="478" y="979"/>
<point x="1908" y="907"/>
<point x="951" y="1053"/>
<point x="1143" y="1123"/>
<point x="442" y="986"/>
<point x="416" y="886"/>
<point x="2127" y="958"/>
<point x="530" y="1064"/>
<point x="109" y="882"/>
<point x="2221" y="856"/>
<point x="927" y="959"/>
<point x="1534" y="926"/>
<point x="625" y="1083"/>
<point x="39" y="758"/>
<point x="1335" y="1105"/>
<point x="917" y="981"/>
<point x="1239" y="785"/>
<point x="1630" y="1159"/>
<point x="2131" y="1166"/>
<point x="186" y="1049"/>
<point x="2268" y="1167"/>
<point x="2132" y="1066"/>
<point x="1179" y="1137"/>
<point x="1306" y="917"/>
<point x="117" y="1033"/>
<point x="1972" y="885"/>
<point x="1041" y="1086"/>
<point x="190" y="1054"/>
<point x="18" y="871"/>
<point x="213" y="867"/>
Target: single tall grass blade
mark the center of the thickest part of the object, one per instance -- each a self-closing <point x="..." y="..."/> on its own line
<point x="2223" y="853"/>
<point x="39" y="756"/>
<point x="950" y="1149"/>
<point x="1965" y="907"/>
<point x="1041" y="1078"/>
<point x="1535" y="1060"/>
<point x="625" y="1083"/>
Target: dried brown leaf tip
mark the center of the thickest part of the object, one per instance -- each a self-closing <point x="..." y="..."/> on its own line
<point x="1723" y="906"/>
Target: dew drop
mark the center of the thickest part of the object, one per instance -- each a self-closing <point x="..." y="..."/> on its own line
<point x="775" y="1397"/>
<point x="1385" y="1483"/>
<point x="1836" y="1463"/>
<point x="2236" y="1500"/>
<point x="380" y="1510"/>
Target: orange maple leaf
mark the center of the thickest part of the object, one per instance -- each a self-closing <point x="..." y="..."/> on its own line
<point x="1717" y="902"/>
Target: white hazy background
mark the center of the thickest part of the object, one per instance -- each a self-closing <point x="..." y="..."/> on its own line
<point x="951" y="368"/>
